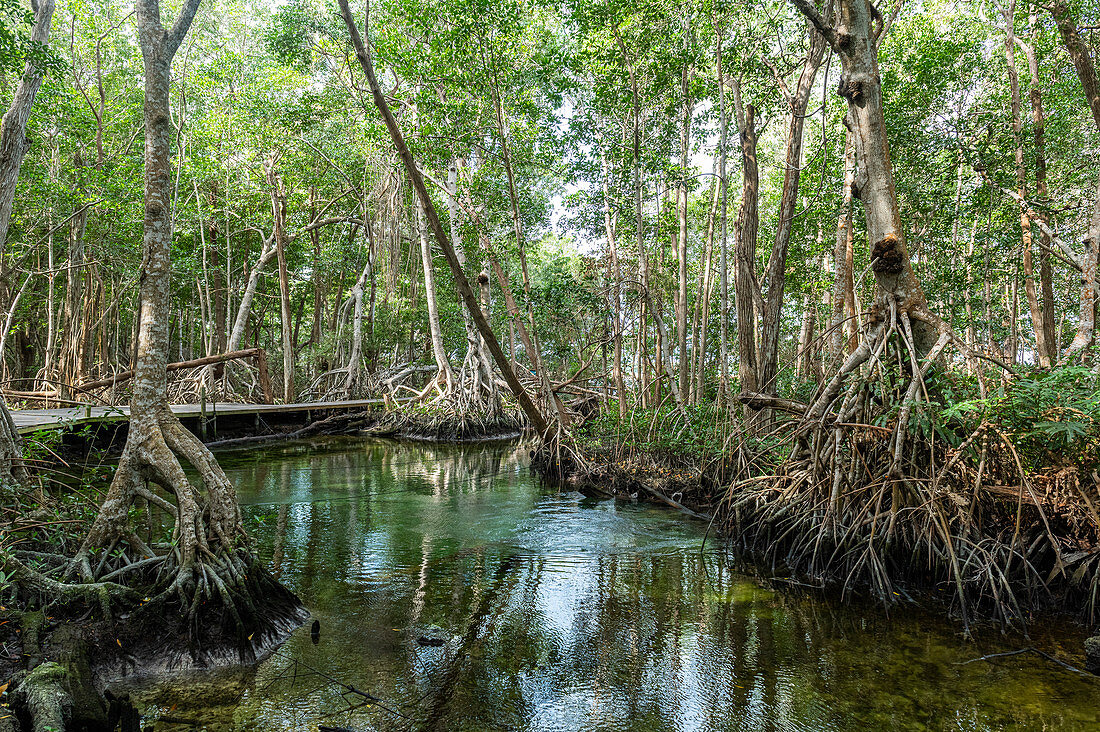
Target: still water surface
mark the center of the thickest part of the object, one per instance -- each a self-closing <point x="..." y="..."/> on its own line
<point x="557" y="612"/>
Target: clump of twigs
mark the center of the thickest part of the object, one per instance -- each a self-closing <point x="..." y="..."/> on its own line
<point x="447" y="420"/>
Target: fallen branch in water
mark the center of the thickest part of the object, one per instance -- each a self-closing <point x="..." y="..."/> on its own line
<point x="1029" y="649"/>
<point x="348" y="688"/>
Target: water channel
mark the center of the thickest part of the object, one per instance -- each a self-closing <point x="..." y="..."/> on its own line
<point x="462" y="594"/>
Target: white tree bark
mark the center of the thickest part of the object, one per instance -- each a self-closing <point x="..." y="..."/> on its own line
<point x="434" y="326"/>
<point x="13" y="126"/>
<point x="267" y="253"/>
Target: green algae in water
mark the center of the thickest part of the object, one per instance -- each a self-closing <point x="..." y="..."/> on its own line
<point x="549" y="611"/>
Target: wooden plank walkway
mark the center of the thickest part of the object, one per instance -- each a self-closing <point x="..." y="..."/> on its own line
<point x="31" y="420"/>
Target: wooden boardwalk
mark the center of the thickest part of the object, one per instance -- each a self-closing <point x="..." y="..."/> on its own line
<point x="31" y="420"/>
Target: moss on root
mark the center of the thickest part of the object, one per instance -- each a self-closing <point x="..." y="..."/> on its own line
<point x="45" y="697"/>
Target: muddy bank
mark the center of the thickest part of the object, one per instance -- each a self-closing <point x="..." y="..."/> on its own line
<point x="70" y="672"/>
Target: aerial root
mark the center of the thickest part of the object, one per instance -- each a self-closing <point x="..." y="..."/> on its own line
<point x="870" y="495"/>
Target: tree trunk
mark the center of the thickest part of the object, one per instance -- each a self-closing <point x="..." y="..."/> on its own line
<point x="221" y="286"/>
<point x="244" y="310"/>
<point x="775" y="276"/>
<point x="1080" y="54"/>
<point x="1042" y="350"/>
<point x="434" y="326"/>
<point x="13" y="125"/>
<point x="971" y="336"/>
<point x="745" y="246"/>
<point x="855" y="41"/>
<point x="476" y="378"/>
<point x="806" y="363"/>
<point x="1086" y="323"/>
<point x="723" y="144"/>
<point x="356" y="355"/>
<point x="521" y="246"/>
<point x="616" y="277"/>
<point x="701" y="318"/>
<point x="13" y="146"/>
<point x="206" y="523"/>
<point x="1012" y="317"/>
<point x="464" y="289"/>
<point x="318" y="287"/>
<point x="278" y="212"/>
<point x="639" y="222"/>
<point x="682" y="238"/>
<point x="1046" y="275"/>
<point x="844" y="285"/>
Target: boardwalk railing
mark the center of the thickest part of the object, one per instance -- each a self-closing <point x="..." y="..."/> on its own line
<point x="32" y="420"/>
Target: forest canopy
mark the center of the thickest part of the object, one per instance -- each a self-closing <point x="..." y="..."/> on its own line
<point x="273" y="128"/>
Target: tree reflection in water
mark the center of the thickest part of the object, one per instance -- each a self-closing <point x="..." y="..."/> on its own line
<point x="565" y="613"/>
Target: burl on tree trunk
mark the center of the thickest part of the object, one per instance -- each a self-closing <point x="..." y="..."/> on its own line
<point x="854" y="37"/>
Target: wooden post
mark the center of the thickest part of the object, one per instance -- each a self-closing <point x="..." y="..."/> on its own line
<point x="202" y="412"/>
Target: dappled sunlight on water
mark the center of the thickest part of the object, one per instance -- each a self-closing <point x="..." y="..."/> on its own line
<point x="550" y="611"/>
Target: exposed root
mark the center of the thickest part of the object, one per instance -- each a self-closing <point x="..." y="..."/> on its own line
<point x="45" y="697"/>
<point x="205" y="577"/>
<point x="873" y="492"/>
<point x="442" y="420"/>
<point x="465" y="406"/>
<point x="32" y="582"/>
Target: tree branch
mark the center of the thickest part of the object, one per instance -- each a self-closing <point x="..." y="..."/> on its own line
<point x="182" y="24"/>
<point x="807" y="8"/>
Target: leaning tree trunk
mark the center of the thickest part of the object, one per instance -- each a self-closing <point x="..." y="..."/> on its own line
<point x="550" y="397"/>
<point x="462" y="284"/>
<point x="244" y="310"/>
